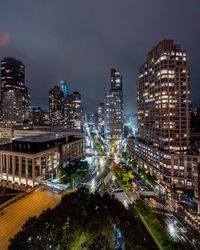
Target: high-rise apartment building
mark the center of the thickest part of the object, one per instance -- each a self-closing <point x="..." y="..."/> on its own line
<point x="15" y="101"/>
<point x="12" y="108"/>
<point x="74" y="111"/>
<point x="56" y="106"/>
<point x="113" y="113"/>
<point x="162" y="146"/>
<point x="163" y="98"/>
<point x="109" y="116"/>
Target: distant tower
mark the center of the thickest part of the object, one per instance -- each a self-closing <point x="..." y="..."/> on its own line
<point x="26" y="106"/>
<point x="56" y="106"/>
<point x="14" y="93"/>
<point x="74" y="111"/>
<point x="65" y="89"/>
<point x="114" y="111"/>
<point x="99" y="118"/>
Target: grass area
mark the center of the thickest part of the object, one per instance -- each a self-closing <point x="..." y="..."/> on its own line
<point x="124" y="175"/>
<point x="155" y="225"/>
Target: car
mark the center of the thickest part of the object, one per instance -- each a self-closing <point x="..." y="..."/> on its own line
<point x="118" y="190"/>
<point x="153" y="201"/>
<point x="142" y="188"/>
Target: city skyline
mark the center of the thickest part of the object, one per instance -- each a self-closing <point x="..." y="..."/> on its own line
<point x="99" y="125"/>
<point x="87" y="48"/>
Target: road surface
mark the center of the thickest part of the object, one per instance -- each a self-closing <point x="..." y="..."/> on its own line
<point x="176" y="227"/>
<point x="14" y="216"/>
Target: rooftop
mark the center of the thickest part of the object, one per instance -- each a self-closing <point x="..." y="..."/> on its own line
<point x="42" y="137"/>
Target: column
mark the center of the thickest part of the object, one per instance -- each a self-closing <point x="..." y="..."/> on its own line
<point x="26" y="170"/>
<point x="198" y="186"/>
<point x="1" y="166"/>
<point x="186" y="166"/>
<point x="40" y="166"/>
<point x="198" y="206"/>
<point x="52" y="164"/>
<point x="20" y="168"/>
<point x="2" y="163"/>
<point x="46" y="160"/>
<point x="52" y="160"/>
<point x="33" y="171"/>
<point x="172" y="166"/>
<point x="57" y="156"/>
<point x="13" y="167"/>
<point x="7" y="167"/>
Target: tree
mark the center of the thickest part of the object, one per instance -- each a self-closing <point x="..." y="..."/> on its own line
<point x="82" y="220"/>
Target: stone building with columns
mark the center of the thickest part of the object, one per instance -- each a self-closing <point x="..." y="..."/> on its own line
<point x="27" y="161"/>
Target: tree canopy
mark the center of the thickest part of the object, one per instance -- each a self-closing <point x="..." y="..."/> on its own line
<point x="82" y="221"/>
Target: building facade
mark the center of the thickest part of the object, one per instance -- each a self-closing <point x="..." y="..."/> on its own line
<point x="40" y="117"/>
<point x="74" y="111"/>
<point x="27" y="161"/>
<point x="114" y="111"/>
<point x="15" y="101"/>
<point x="26" y="111"/>
<point x="163" y="98"/>
<point x="162" y="146"/>
<point x="56" y="106"/>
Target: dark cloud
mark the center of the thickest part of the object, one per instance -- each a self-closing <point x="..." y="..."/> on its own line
<point x="80" y="41"/>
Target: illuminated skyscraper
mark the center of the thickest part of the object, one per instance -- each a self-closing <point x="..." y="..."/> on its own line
<point x="65" y="89"/>
<point x="162" y="146"/>
<point x="113" y="113"/>
<point x="26" y="106"/>
<point x="15" y="101"/>
<point x="56" y="106"/>
<point x="163" y="98"/>
<point x="74" y="111"/>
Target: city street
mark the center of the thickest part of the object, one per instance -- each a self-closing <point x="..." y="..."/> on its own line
<point x="98" y="164"/>
<point x="114" y="188"/>
<point x="178" y="229"/>
<point x="99" y="168"/>
<point x="14" y="216"/>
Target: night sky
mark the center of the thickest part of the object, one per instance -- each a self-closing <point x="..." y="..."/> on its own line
<point x="80" y="40"/>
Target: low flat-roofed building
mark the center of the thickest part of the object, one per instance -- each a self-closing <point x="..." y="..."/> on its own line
<point x="28" y="160"/>
<point x="20" y="133"/>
